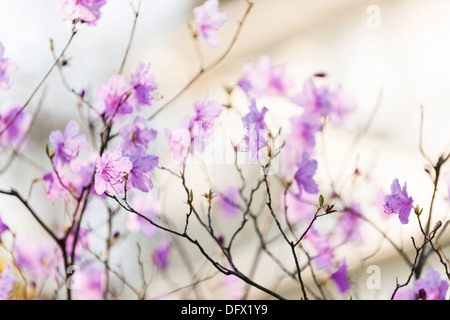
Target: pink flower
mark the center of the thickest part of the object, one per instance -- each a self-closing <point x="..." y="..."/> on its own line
<point x="82" y="242"/>
<point x="399" y="202"/>
<point x="142" y="164"/>
<point x="433" y="287"/>
<point x="84" y="10"/>
<point x="40" y="258"/>
<point x="206" y="114"/>
<point x="209" y="20"/>
<point x="161" y="255"/>
<point x="297" y="210"/>
<point x="229" y="202"/>
<point x="67" y="144"/>
<point x="7" y="280"/>
<point x="53" y="187"/>
<point x="14" y="135"/>
<point x="3" y="227"/>
<point x="90" y="283"/>
<point x="314" y="100"/>
<point x="256" y="136"/>
<point x="304" y="175"/>
<point x="340" y="277"/>
<point x="324" y="251"/>
<point x="234" y="287"/>
<point x="114" y="97"/>
<point x="136" y="134"/>
<point x="265" y="79"/>
<point x="350" y="225"/>
<point x="143" y="84"/>
<point x="148" y="206"/>
<point x="343" y="106"/>
<point x="110" y="171"/>
<point x="6" y="67"/>
<point x="304" y="128"/>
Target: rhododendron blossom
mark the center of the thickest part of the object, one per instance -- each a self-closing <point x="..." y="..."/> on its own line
<point x="304" y="175"/>
<point x="315" y="100"/>
<point x="256" y="136"/>
<point x="136" y="134"/>
<point x="161" y="255"/>
<point x="114" y="97"/>
<point x="17" y="124"/>
<point x="84" y="10"/>
<point x="148" y="206"/>
<point x="111" y="170"/>
<point x="7" y="280"/>
<point x="340" y="277"/>
<point x="143" y="84"/>
<point x="3" y="227"/>
<point x="68" y="144"/>
<point x="139" y="176"/>
<point x="209" y="20"/>
<point x="399" y="202"/>
<point x="40" y="258"/>
<point x="89" y="283"/>
<point x="7" y="65"/>
<point x="266" y="79"/>
<point x="206" y="114"/>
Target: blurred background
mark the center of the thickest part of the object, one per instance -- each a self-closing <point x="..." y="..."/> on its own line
<point x="390" y="55"/>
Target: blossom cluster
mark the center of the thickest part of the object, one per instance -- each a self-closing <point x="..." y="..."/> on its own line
<point x="111" y="160"/>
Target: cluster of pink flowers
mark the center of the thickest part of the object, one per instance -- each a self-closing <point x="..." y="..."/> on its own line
<point x="122" y="169"/>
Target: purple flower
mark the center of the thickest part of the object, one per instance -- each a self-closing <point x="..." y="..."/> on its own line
<point x="340" y="277"/>
<point x="110" y="171"/>
<point x="321" y="243"/>
<point x="314" y="100"/>
<point x="136" y="134"/>
<point x="432" y="285"/>
<point x="265" y="79"/>
<point x="114" y="97"/>
<point x="398" y="202"/>
<point x="161" y="255"/>
<point x="304" y="128"/>
<point x="142" y="164"/>
<point x="14" y="135"/>
<point x="68" y="144"/>
<point x="143" y="84"/>
<point x="343" y="107"/>
<point x="350" y="225"/>
<point x="148" y="206"/>
<point x="206" y="114"/>
<point x="3" y="227"/>
<point x="297" y="210"/>
<point x="40" y="258"/>
<point x="229" y="202"/>
<point x="89" y="282"/>
<point x="7" y="280"/>
<point x="234" y="287"/>
<point x="209" y="20"/>
<point x="6" y="67"/>
<point x="84" y="10"/>
<point x="82" y="242"/>
<point x="53" y="187"/>
<point x="256" y="136"/>
<point x="304" y="175"/>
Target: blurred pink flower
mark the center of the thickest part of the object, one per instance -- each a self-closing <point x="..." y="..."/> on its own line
<point x="265" y="79"/>
<point x="7" y="65"/>
<point x="84" y="10"/>
<point x="68" y="144"/>
<point x="209" y="20"/>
